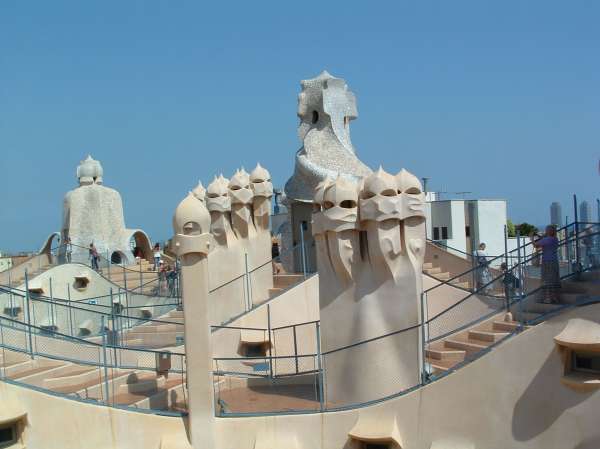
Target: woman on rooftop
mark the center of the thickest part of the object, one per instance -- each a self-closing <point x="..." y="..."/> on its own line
<point x="484" y="277"/>
<point x="550" y="269"/>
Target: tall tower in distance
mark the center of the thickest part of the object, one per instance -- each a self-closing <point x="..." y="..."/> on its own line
<point x="556" y="214"/>
<point x="585" y="212"/>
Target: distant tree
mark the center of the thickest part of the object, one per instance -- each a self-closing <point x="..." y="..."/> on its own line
<point x="526" y="228"/>
<point x="510" y="228"/>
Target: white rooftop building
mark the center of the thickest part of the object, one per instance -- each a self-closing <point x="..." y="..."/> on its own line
<point x="463" y="224"/>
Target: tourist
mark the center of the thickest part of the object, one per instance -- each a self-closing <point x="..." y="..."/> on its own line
<point x="550" y="268"/>
<point x="68" y="249"/>
<point x="162" y="275"/>
<point x="157" y="255"/>
<point x="510" y="281"/>
<point x="171" y="277"/>
<point x="94" y="256"/>
<point x="484" y="277"/>
<point x="275" y="256"/>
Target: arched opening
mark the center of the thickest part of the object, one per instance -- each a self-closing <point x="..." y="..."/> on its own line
<point x="117" y="258"/>
<point x="51" y="245"/>
<point x="315" y="117"/>
<point x="141" y="246"/>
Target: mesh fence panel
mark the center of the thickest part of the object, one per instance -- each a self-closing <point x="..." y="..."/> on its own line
<point x="464" y="313"/>
<point x="359" y="374"/>
<point x="239" y="394"/>
<point x="13" y="335"/>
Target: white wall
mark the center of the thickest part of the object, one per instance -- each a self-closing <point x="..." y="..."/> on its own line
<point x="491" y="218"/>
<point x="5" y="263"/>
<point x="451" y="214"/>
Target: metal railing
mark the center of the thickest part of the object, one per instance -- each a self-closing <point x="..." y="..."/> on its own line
<point x="292" y="366"/>
<point x="100" y="373"/>
<point x="251" y="386"/>
<point x="256" y="286"/>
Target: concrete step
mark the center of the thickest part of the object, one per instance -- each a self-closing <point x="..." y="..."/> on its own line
<point x="486" y="336"/>
<point x="65" y="369"/>
<point x="469" y="346"/>
<point x="8" y="358"/>
<point x="465" y="285"/>
<point x="525" y="316"/>
<point x="443" y="276"/>
<point x="166" y="398"/>
<point x="143" y="399"/>
<point x="440" y="365"/>
<point x="427" y="265"/>
<point x="175" y="314"/>
<point x="81" y="376"/>
<point x="162" y="339"/>
<point x="32" y="368"/>
<point x="505" y="326"/>
<point x="274" y="291"/>
<point x="432" y="270"/>
<point x="446" y="354"/>
<point x="286" y="280"/>
<point x="154" y="328"/>
<point x="133" y="277"/>
<point x="94" y="388"/>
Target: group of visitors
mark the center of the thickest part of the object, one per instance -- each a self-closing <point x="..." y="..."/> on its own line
<point x="548" y="246"/>
<point x="167" y="277"/>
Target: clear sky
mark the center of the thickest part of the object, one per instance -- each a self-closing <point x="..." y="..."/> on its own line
<point x="498" y="98"/>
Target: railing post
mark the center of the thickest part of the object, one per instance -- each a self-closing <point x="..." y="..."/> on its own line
<point x="424" y="374"/>
<point x="248" y="284"/>
<point x="114" y="331"/>
<point x="568" y="250"/>
<point x="302" y="249"/>
<point x="506" y="289"/>
<point x="3" y="365"/>
<point x="577" y="255"/>
<point x="320" y="368"/>
<point x="70" y="309"/>
<point x="270" y="343"/>
<point x="27" y="300"/>
<point x="51" y="303"/>
<point x="12" y="306"/>
<point x="127" y="310"/>
<point x="106" y="389"/>
<point x="295" y="347"/>
<point x="521" y="277"/>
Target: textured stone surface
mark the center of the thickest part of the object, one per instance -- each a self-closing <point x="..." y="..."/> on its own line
<point x="370" y="243"/>
<point x="93" y="213"/>
<point x="325" y="108"/>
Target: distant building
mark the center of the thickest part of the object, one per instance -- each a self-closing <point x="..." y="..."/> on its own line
<point x="5" y="262"/>
<point x="463" y="224"/>
<point x="585" y="212"/>
<point x="556" y="214"/>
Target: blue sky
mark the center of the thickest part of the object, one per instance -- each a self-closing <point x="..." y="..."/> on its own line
<point x="498" y="98"/>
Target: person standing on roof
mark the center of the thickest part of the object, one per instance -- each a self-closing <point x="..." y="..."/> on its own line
<point x="157" y="257"/>
<point x="484" y="278"/>
<point x="550" y="268"/>
<point x="94" y="256"/>
<point x="68" y="249"/>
